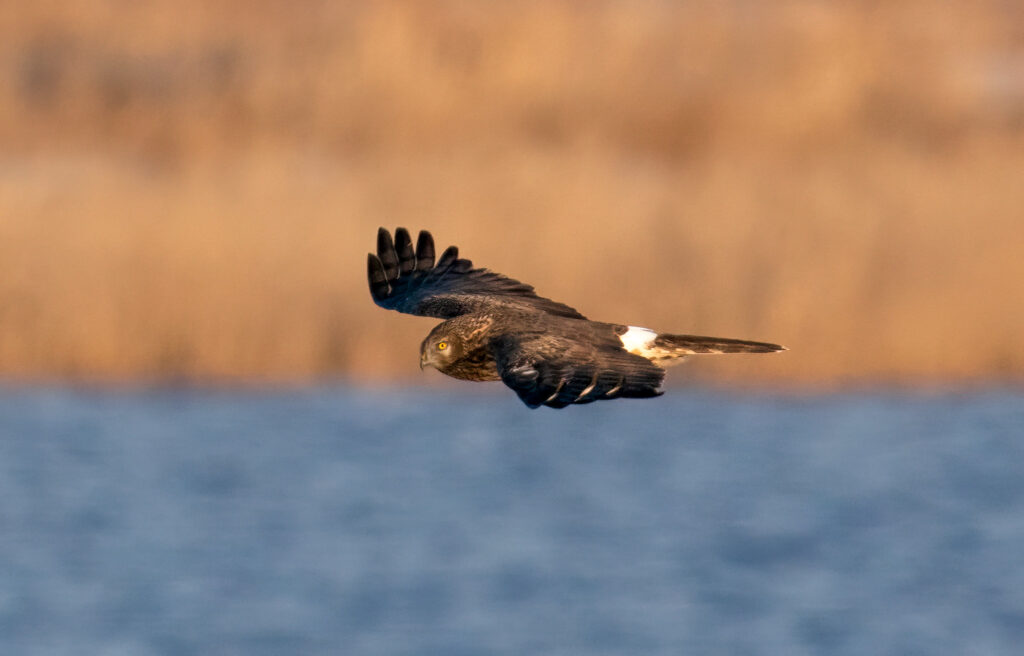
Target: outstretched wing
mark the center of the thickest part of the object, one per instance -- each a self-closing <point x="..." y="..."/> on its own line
<point x="557" y="370"/>
<point x="409" y="281"/>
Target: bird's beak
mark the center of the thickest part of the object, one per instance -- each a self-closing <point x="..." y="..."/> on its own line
<point x="423" y="360"/>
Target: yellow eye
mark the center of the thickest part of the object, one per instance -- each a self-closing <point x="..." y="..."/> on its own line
<point x="442" y="346"/>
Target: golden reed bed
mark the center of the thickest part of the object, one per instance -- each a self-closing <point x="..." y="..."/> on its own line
<point x="189" y="193"/>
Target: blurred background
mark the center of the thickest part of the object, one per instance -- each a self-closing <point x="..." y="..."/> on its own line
<point x="212" y="442"/>
<point x="188" y="191"/>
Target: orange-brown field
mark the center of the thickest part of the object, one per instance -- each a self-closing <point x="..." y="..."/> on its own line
<point x="188" y="190"/>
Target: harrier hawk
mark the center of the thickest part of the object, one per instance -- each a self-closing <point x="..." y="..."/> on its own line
<point x="497" y="328"/>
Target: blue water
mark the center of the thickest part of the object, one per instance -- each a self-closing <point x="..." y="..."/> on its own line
<point x="337" y="521"/>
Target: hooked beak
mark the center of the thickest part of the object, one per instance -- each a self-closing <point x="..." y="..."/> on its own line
<point x="423" y="360"/>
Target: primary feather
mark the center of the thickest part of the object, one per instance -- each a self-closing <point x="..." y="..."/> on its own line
<point x="410" y="282"/>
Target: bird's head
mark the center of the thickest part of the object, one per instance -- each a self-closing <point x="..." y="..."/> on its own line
<point x="440" y="349"/>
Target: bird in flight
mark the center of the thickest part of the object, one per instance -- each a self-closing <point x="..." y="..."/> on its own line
<point x="497" y="328"/>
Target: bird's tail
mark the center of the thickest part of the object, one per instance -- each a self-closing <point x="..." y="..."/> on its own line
<point x="664" y="349"/>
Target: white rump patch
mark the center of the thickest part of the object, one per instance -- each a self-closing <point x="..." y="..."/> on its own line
<point x="638" y="340"/>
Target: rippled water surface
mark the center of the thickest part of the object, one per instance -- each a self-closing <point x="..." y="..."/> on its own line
<point x="337" y="521"/>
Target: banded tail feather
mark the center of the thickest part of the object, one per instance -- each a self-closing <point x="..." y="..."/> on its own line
<point x="663" y="348"/>
<point x="696" y="344"/>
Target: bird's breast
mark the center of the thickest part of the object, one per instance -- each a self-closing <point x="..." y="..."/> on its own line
<point x="476" y="365"/>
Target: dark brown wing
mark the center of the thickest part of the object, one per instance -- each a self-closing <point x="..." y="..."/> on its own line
<point x="558" y="370"/>
<point x="409" y="281"/>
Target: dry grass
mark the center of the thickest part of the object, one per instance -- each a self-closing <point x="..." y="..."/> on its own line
<point x="190" y="193"/>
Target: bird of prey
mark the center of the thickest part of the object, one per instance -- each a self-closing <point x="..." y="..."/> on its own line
<point x="497" y="328"/>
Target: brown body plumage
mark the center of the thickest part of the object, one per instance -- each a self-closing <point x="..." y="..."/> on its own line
<point x="497" y="328"/>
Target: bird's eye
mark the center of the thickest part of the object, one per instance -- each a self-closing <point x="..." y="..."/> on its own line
<point x="442" y="346"/>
